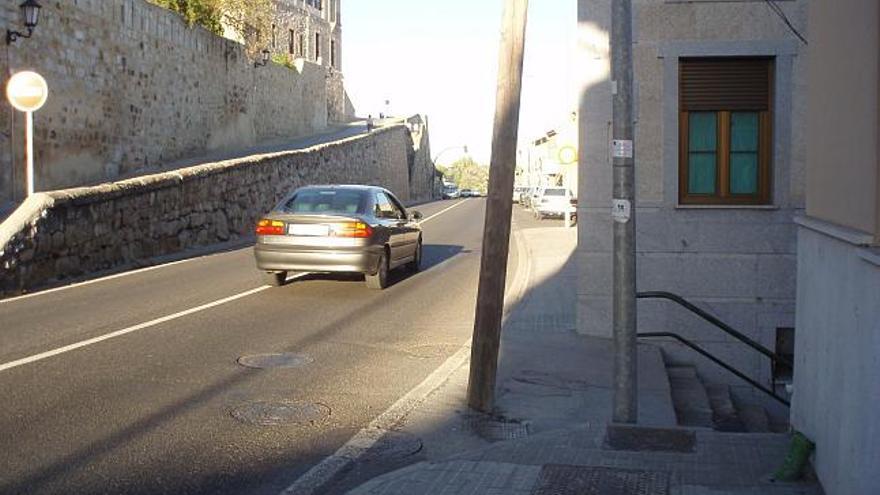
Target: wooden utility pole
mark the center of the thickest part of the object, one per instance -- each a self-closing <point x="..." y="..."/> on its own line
<point x="496" y="231"/>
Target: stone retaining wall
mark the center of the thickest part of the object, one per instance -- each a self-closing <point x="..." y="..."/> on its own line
<point x="69" y="233"/>
<point x="132" y="88"/>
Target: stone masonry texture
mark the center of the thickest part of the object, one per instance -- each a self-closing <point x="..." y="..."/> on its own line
<point x="70" y="233"/>
<point x="738" y="263"/>
<point x="132" y="88"/>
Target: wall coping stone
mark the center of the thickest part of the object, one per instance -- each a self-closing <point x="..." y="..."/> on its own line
<point x="36" y="206"/>
<point x="839" y="232"/>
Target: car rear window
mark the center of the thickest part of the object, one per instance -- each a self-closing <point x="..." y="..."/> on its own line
<point x="326" y="202"/>
<point x="554" y="192"/>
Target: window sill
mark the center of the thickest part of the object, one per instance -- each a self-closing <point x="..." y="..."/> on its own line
<point x="727" y="207"/>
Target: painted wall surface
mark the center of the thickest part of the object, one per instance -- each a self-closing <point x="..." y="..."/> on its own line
<point x="738" y="263"/>
<point x="70" y="233"/>
<point x="132" y="88"/>
<point x="837" y="360"/>
<point x="842" y="137"/>
<point x="837" y="343"/>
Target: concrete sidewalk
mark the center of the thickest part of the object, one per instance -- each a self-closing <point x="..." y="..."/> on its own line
<point x="548" y="433"/>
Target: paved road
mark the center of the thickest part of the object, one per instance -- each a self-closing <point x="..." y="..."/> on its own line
<point x="150" y="408"/>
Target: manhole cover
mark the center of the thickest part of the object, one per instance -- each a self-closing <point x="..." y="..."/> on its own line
<point x="270" y="413"/>
<point x="280" y="360"/>
<point x="495" y="429"/>
<point x="622" y="437"/>
<point x="394" y="445"/>
<point x="556" y="479"/>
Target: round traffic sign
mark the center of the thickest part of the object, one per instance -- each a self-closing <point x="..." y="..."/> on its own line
<point x="567" y="155"/>
<point x="27" y="91"/>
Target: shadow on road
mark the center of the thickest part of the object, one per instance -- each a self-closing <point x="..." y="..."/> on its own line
<point x="432" y="256"/>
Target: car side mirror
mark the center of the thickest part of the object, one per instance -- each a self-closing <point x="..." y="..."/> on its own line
<point x="416" y="215"/>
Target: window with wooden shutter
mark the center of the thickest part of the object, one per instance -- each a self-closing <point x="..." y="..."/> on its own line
<point x="725" y="130"/>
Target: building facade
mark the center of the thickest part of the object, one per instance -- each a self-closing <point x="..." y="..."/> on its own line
<point x="551" y="159"/>
<point x="719" y="109"/>
<point x="837" y="347"/>
<point x="309" y="30"/>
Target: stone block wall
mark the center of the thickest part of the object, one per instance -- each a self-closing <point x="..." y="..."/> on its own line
<point x="419" y="165"/>
<point x="737" y="262"/>
<point x="70" y="233"/>
<point x="133" y="88"/>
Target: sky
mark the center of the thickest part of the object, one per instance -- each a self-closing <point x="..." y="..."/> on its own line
<point x="439" y="58"/>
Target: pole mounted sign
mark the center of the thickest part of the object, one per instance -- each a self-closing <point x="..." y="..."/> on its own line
<point x="27" y="92"/>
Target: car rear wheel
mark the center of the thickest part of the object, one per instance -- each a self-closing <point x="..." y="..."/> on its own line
<point x="379" y="280"/>
<point x="416" y="264"/>
<point x="275" y="279"/>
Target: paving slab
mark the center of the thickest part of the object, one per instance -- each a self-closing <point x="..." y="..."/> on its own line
<point x="553" y="405"/>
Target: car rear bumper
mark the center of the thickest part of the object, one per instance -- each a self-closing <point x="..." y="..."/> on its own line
<point x="555" y="211"/>
<point x="360" y="260"/>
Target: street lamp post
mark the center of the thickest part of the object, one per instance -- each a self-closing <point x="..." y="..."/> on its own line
<point x="30" y="12"/>
<point x="264" y="59"/>
<point x="438" y="155"/>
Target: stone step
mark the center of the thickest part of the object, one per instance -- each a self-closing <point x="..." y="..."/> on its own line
<point x="724" y="413"/>
<point x="689" y="397"/>
<point x="754" y="418"/>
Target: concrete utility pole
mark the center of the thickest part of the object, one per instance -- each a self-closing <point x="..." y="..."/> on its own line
<point x="496" y="232"/>
<point x="623" y="213"/>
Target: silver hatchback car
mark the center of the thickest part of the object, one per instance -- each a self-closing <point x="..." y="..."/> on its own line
<point x="359" y="229"/>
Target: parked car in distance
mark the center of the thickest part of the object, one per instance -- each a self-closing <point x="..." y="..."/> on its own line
<point x="532" y="197"/>
<point x="525" y="196"/>
<point x="554" y="202"/>
<point x="451" y="192"/>
<point x="468" y="193"/>
<point x="517" y="193"/>
<point x="358" y="229"/>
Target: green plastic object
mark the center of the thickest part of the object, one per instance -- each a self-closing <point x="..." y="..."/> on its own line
<point x="796" y="460"/>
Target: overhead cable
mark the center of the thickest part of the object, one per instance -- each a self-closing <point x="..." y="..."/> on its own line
<point x="778" y="10"/>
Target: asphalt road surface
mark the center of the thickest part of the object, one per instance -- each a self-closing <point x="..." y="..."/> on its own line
<point x="133" y="384"/>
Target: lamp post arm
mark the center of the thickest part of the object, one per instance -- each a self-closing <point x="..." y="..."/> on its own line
<point x="12" y="36"/>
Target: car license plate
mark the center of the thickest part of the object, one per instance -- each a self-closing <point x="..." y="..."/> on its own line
<point x="308" y="229"/>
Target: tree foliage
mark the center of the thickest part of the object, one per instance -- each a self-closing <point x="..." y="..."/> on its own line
<point x="250" y="19"/>
<point x="467" y="174"/>
<point x="205" y="13"/>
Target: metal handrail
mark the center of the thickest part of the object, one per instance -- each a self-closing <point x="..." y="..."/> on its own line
<point x="717" y="361"/>
<point x="715" y="321"/>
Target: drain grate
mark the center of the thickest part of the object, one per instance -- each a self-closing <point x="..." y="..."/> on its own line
<point x="495" y="429"/>
<point x="278" y="360"/>
<point x="640" y="438"/>
<point x="272" y="413"/>
<point x="556" y="479"/>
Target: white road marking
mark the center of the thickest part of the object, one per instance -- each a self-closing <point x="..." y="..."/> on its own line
<point x="149" y="268"/>
<point x="315" y="478"/>
<point x="95" y="281"/>
<point x="125" y="331"/>
<point x="85" y="343"/>
<point x="435" y="215"/>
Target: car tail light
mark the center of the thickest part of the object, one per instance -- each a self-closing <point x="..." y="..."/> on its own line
<point x="351" y="229"/>
<point x="270" y="227"/>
